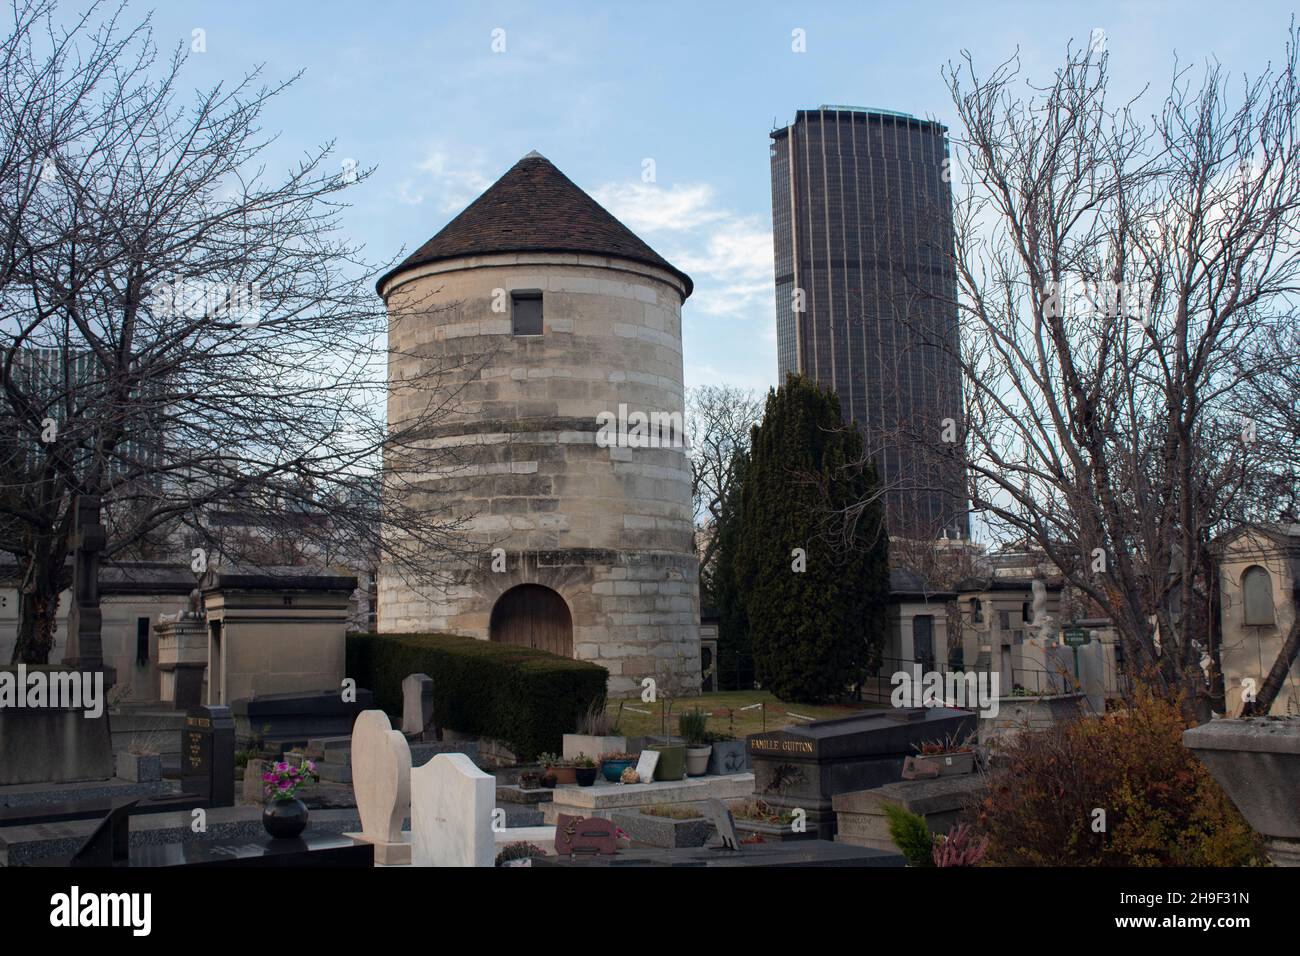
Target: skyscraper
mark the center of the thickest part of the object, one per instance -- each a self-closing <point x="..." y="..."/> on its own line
<point x="866" y="296"/>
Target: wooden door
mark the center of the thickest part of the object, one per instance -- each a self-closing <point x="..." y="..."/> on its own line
<point x="531" y="615"/>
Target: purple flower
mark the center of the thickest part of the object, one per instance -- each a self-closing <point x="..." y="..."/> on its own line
<point x="282" y="766"/>
<point x="268" y="777"/>
<point x="285" y="784"/>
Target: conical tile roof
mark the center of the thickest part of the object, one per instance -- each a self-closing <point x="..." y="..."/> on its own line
<point x="535" y="208"/>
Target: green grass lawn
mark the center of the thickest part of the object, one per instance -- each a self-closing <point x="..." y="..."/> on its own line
<point x="640" y="718"/>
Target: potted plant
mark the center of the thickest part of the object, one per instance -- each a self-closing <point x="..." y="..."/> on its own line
<point x="951" y="755"/>
<point x="529" y="779"/>
<point x="729" y="754"/>
<point x="692" y="726"/>
<point x="547" y="779"/>
<point x="519" y="854"/>
<point x="598" y="732"/>
<point x="584" y="769"/>
<point x="671" y="750"/>
<point x="285" y="816"/>
<point x="613" y="764"/>
<point x="558" y="767"/>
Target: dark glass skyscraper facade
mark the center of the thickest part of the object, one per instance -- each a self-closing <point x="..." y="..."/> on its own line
<point x="866" y="296"/>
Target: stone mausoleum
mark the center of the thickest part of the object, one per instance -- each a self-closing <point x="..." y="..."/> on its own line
<point x="557" y="332"/>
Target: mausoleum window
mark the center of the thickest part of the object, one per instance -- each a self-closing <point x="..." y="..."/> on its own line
<point x="1257" y="596"/>
<point x="526" y="311"/>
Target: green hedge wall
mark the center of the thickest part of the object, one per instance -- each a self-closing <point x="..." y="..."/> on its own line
<point x="526" y="698"/>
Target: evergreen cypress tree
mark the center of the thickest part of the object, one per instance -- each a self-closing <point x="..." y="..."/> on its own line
<point x="816" y="615"/>
<point x="735" y="656"/>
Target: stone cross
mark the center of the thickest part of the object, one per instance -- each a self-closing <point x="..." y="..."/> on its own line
<point x="85" y="648"/>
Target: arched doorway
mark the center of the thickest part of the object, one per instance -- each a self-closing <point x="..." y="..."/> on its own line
<point x="531" y="615"/>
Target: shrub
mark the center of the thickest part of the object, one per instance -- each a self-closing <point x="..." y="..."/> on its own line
<point x="910" y="835"/>
<point x="959" y="848"/>
<point x="1161" y="807"/>
<point x="526" y="698"/>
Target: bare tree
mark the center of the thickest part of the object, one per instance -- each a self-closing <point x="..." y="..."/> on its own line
<point x="183" y="333"/>
<point x="719" y="418"/>
<point x="1113" y="274"/>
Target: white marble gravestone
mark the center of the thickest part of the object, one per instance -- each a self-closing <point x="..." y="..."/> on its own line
<point x="451" y="813"/>
<point x="381" y="782"/>
<point x="417" y="703"/>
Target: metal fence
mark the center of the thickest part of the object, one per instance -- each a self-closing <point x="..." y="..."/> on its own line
<point x="879" y="683"/>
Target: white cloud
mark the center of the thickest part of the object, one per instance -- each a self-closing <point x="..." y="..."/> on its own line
<point x="453" y="178"/>
<point x="646" y="207"/>
<point x="728" y="256"/>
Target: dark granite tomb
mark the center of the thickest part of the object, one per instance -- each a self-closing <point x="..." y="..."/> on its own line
<point x="805" y="766"/>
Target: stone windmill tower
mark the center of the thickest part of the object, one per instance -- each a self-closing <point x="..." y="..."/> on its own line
<point x="568" y="420"/>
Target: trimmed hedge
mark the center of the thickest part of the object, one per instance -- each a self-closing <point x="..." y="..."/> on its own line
<point x="526" y="698"/>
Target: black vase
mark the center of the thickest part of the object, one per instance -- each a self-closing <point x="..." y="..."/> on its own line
<point x="285" y="819"/>
<point x="586" y="775"/>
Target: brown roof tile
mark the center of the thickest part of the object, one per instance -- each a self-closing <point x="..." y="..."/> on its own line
<point x="535" y="208"/>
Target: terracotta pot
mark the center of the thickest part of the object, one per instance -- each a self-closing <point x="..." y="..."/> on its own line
<point x="565" y="775"/>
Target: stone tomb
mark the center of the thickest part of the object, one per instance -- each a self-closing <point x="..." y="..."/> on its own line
<point x="451" y="813"/>
<point x="804" y="767"/>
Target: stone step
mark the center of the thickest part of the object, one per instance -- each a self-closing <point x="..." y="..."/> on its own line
<point x="520" y="816"/>
<point x="514" y="794"/>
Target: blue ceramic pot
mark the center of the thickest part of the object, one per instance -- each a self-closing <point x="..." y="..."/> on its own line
<point x="613" y="769"/>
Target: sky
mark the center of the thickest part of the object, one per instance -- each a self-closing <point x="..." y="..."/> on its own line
<point x="441" y="98"/>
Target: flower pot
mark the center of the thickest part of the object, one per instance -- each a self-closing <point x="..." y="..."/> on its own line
<point x="586" y="776"/>
<point x="728" y="756"/>
<point x="672" y="761"/>
<point x="953" y="764"/>
<point x="547" y="780"/>
<point x="697" y="760"/>
<point x="613" y="769"/>
<point x="138" y="768"/>
<point x="285" y="819"/>
<point x="575" y="744"/>
<point x="564" y="775"/>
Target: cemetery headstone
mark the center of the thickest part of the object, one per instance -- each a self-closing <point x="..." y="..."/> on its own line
<point x="725" y="824"/>
<point x="451" y="813"/>
<point x="594" y="835"/>
<point x="208" y="755"/>
<point x="645" y="765"/>
<point x="417" y="704"/>
<point x="381" y="782"/>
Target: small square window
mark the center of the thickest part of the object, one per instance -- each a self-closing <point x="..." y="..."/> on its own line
<point x="526" y="311"/>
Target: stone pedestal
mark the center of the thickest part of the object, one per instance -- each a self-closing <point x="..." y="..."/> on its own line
<point x="861" y="819"/>
<point x="182" y="661"/>
<point x="1257" y="763"/>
